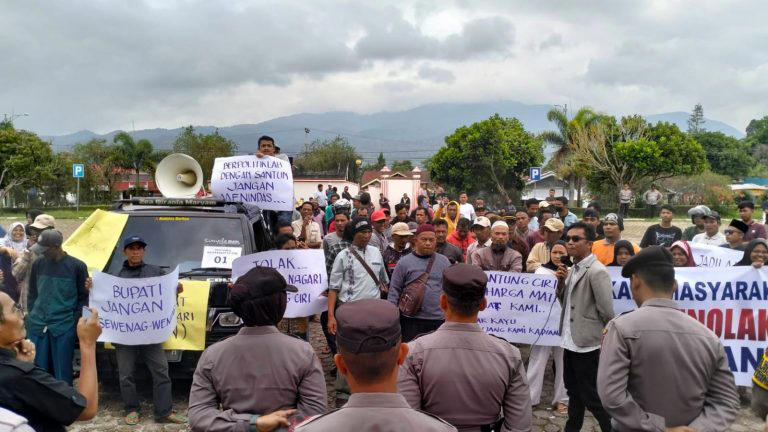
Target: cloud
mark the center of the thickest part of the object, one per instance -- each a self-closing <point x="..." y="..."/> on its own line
<point x="553" y="40"/>
<point x="436" y="74"/>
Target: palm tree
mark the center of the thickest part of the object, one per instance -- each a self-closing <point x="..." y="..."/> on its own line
<point x="137" y="155"/>
<point x="561" y="139"/>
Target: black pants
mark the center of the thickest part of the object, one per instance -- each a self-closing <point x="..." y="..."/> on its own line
<point x="331" y="339"/>
<point x="580" y="377"/>
<point x="154" y="357"/>
<point x="652" y="211"/>
<point x="413" y="327"/>
<point x="623" y="210"/>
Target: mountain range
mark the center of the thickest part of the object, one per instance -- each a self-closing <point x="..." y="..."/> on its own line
<point x="414" y="134"/>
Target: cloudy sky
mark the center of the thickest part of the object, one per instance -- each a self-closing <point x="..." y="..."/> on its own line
<point x="101" y="65"/>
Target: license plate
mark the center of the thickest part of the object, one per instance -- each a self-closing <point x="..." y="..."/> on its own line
<point x="173" y="356"/>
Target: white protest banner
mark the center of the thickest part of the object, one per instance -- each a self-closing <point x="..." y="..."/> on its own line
<point x="714" y="256"/>
<point x="266" y="181"/>
<point x="522" y="308"/>
<point x="135" y="311"/>
<point x="303" y="268"/>
<point x="730" y="301"/>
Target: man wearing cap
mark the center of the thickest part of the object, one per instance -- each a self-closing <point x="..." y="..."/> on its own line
<point x="378" y="238"/>
<point x="756" y="230"/>
<point x="370" y="351"/>
<point x="473" y="380"/>
<point x="499" y="256"/>
<point x="257" y="379"/>
<point x="410" y="268"/>
<point x="539" y="255"/>
<point x="734" y="235"/>
<point x="399" y="248"/>
<point x="711" y="235"/>
<point x="450" y="251"/>
<point x="57" y="294"/>
<point x="586" y="298"/>
<point x="613" y="225"/>
<point x="481" y="228"/>
<point x="696" y="214"/>
<point x="664" y="233"/>
<point x="696" y="393"/>
<point x="134" y="249"/>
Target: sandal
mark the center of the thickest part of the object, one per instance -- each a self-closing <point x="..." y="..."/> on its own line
<point x="132" y="418"/>
<point x="562" y="408"/>
<point x="172" y="418"/>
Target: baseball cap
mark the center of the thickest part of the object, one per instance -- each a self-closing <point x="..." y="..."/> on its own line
<point x="367" y="326"/>
<point x="47" y="239"/>
<point x="402" y="229"/>
<point x="711" y="215"/>
<point x="554" y="224"/>
<point x="482" y="221"/>
<point x="43" y="221"/>
<point x="378" y="216"/>
<point x="133" y="239"/>
<point x="543" y="204"/>
<point x="361" y="224"/>
<point x="259" y="282"/>
<point x="464" y="282"/>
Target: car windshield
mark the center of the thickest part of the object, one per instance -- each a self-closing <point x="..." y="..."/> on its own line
<point x="184" y="241"/>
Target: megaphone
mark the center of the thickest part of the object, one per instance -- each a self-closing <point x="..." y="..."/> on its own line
<point x="178" y="176"/>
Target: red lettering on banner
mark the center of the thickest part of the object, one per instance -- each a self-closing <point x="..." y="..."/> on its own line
<point x="715" y="321"/>
<point x="729" y="324"/>
<point x="762" y="324"/>
<point x="746" y="325"/>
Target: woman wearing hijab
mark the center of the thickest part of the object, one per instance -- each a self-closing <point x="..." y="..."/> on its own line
<point x="16" y="238"/>
<point x="537" y="362"/>
<point x="622" y="252"/>
<point x="681" y="254"/>
<point x="755" y="254"/>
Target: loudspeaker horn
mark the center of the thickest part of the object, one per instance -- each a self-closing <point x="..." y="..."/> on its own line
<point x="179" y="176"/>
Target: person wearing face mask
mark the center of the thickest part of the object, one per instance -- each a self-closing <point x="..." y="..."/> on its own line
<point x="537" y="362"/>
<point x="499" y="256"/>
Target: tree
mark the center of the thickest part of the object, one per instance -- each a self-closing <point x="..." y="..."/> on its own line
<point x="696" y="120"/>
<point x="25" y="159"/>
<point x="562" y="160"/>
<point x="403" y="165"/>
<point x="204" y="148"/>
<point x="329" y="157"/>
<point x="380" y="162"/>
<point x="136" y="155"/>
<point x="492" y="154"/>
<point x="102" y="162"/>
<point x="632" y="152"/>
<point x="726" y="155"/>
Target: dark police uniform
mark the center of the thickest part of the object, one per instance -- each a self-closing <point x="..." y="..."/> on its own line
<point x="372" y="326"/>
<point x="47" y="403"/>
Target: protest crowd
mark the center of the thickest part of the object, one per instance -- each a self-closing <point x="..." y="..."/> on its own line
<point x="406" y="284"/>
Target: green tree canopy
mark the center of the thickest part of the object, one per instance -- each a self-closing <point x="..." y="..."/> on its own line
<point x="136" y="155"/>
<point x="25" y="159"/>
<point x="696" y="120"/>
<point x="402" y="166"/>
<point x="335" y="157"/>
<point x="492" y="154"/>
<point x="101" y="160"/>
<point x="726" y="155"/>
<point x="204" y="148"/>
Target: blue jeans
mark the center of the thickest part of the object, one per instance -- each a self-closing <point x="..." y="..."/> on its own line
<point x="54" y="353"/>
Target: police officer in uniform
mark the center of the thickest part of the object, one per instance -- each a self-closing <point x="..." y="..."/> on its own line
<point x="247" y="381"/>
<point x="475" y="381"/>
<point x="660" y="369"/>
<point x="370" y="351"/>
<point x="29" y="391"/>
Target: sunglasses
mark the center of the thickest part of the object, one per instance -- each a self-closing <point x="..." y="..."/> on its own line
<point x="574" y="239"/>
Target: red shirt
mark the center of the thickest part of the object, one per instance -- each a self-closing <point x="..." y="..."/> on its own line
<point x="463" y="245"/>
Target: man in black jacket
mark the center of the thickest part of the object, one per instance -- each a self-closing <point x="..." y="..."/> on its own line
<point x="153" y="355"/>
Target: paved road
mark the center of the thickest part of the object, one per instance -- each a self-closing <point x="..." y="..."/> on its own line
<point x="544" y="419"/>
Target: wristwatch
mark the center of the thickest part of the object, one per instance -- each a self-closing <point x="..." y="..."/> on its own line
<point x="252" y="423"/>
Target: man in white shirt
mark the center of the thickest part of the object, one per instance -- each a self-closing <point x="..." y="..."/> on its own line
<point x="482" y="230"/>
<point x="711" y="235"/>
<point x="320" y="197"/>
<point x="465" y="208"/>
